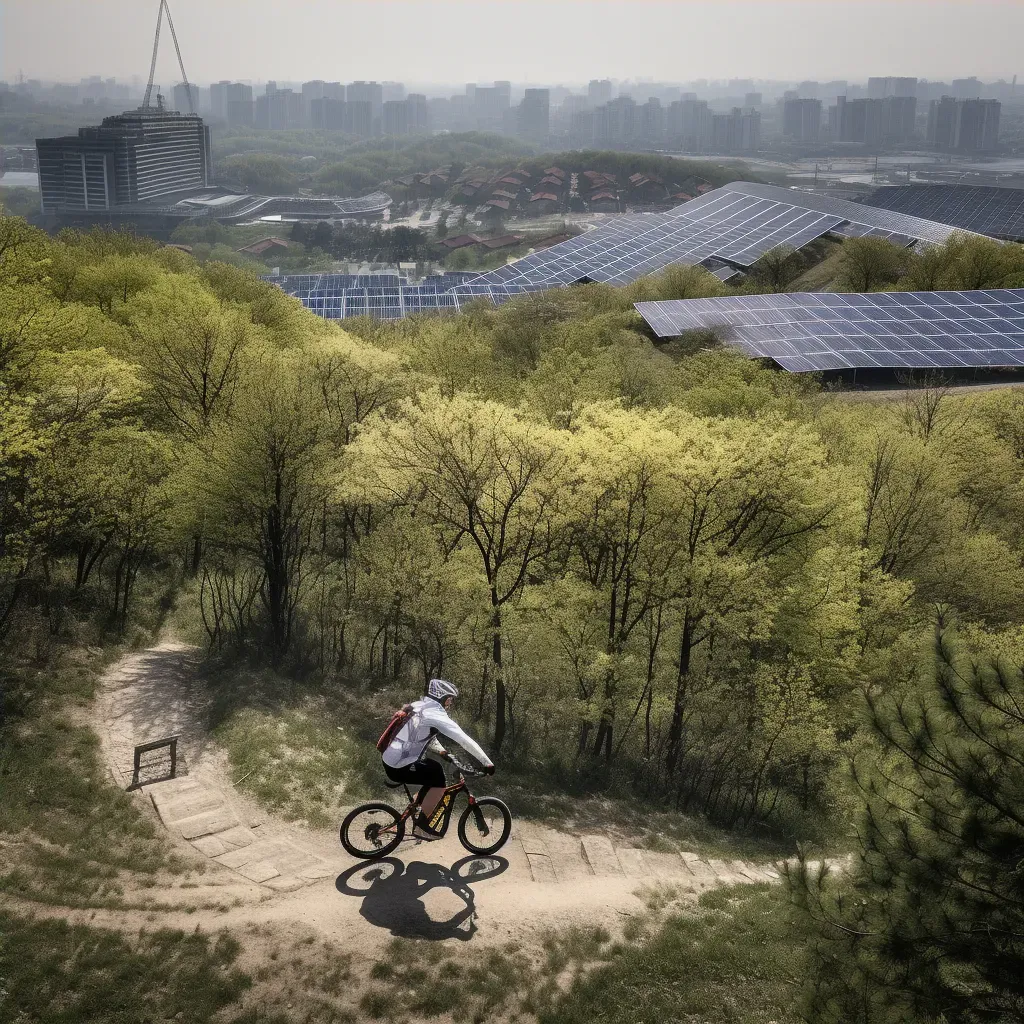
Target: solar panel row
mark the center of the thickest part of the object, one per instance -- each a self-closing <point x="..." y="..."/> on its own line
<point x="727" y="229"/>
<point x="989" y="210"/>
<point x="806" y="332"/>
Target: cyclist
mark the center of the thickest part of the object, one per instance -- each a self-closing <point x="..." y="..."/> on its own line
<point x="405" y="760"/>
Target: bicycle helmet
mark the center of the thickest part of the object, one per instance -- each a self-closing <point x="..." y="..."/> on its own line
<point x="441" y="690"/>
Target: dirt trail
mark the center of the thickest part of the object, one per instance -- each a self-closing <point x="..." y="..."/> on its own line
<point x="263" y="870"/>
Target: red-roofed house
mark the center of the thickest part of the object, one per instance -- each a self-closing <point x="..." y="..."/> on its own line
<point x="265" y="247"/>
<point x="459" y="241"/>
<point x="550" y="240"/>
<point x="502" y="242"/>
<point x="604" y="201"/>
<point x="544" y="202"/>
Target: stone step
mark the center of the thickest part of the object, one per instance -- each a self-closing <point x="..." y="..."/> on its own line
<point x="664" y="866"/>
<point x="175" y="806"/>
<point x="263" y="849"/>
<point x="726" y="872"/>
<point x="532" y="840"/>
<point x="237" y="837"/>
<point x="223" y="842"/>
<point x="701" y="874"/>
<point x="600" y="855"/>
<point x="541" y="868"/>
<point x="566" y="853"/>
<point x="207" y="823"/>
<point x="632" y="862"/>
<point x="258" y="871"/>
<point x="175" y="787"/>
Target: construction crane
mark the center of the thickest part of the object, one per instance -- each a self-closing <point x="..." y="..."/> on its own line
<point x="165" y="8"/>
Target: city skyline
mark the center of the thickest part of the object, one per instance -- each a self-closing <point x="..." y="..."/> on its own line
<point x="526" y="41"/>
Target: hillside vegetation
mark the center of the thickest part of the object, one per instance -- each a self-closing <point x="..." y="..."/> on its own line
<point x="280" y="162"/>
<point x="675" y="576"/>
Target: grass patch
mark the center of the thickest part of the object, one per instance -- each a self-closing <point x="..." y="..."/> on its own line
<point x="51" y="971"/>
<point x="735" y="960"/>
<point x="67" y="835"/>
<point x="296" y="762"/>
<point x="432" y="979"/>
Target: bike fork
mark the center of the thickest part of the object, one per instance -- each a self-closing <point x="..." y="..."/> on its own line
<point x="479" y="816"/>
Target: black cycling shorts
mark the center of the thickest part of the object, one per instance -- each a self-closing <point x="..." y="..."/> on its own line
<point x="426" y="772"/>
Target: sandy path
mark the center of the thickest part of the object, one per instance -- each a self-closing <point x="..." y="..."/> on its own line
<point x="261" y="870"/>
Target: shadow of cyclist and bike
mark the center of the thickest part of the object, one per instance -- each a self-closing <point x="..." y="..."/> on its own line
<point x="393" y="894"/>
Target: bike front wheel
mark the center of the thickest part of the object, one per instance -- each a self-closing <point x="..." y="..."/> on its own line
<point x="485" y="825"/>
<point x="372" y="830"/>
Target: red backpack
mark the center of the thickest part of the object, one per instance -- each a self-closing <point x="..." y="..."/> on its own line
<point x="398" y="719"/>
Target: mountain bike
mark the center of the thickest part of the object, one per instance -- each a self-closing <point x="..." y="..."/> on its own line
<point x="376" y="829"/>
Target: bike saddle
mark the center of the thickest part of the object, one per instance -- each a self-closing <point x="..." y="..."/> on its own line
<point x="391" y="785"/>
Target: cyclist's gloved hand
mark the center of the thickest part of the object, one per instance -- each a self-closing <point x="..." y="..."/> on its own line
<point x="489" y="769"/>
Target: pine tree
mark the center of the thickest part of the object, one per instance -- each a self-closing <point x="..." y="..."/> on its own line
<point x="928" y="925"/>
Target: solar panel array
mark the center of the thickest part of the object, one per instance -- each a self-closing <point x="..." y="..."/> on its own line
<point x="998" y="212"/>
<point x="725" y="230"/>
<point x="385" y="296"/>
<point x="806" y="332"/>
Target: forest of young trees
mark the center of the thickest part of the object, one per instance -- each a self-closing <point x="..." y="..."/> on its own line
<point x="676" y="571"/>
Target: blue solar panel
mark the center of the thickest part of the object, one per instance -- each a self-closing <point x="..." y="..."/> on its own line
<point x="998" y="212"/>
<point x="805" y="332"/>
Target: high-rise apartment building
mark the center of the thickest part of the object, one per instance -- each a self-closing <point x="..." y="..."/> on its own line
<point x="134" y="157"/>
<point x="966" y="88"/>
<point x="279" y="110"/>
<point x="689" y="125"/>
<point x="184" y="99"/>
<point x="599" y="91"/>
<point x="617" y="122"/>
<point x="966" y="126"/>
<point x="359" y="119"/>
<point x="418" y="115"/>
<point x="880" y="88"/>
<point x="327" y="114"/>
<point x="395" y="118"/>
<point x="652" y="120"/>
<point x="535" y="114"/>
<point x="232" y="102"/>
<point x="801" y="120"/>
<point x="367" y="92"/>
<point x="311" y="91"/>
<point x="736" y="132"/>
<point x="875" y="122"/>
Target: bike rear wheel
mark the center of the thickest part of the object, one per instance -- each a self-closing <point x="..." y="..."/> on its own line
<point x="372" y="830"/>
<point x="485" y="825"/>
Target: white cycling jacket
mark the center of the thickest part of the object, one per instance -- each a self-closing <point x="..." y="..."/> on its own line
<point x="428" y="717"/>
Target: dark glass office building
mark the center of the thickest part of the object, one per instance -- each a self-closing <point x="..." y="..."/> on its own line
<point x="131" y="158"/>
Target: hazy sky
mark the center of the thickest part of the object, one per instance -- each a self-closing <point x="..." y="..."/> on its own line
<point x="455" y="41"/>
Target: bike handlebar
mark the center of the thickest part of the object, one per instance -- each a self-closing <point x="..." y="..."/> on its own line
<point x="464" y="768"/>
